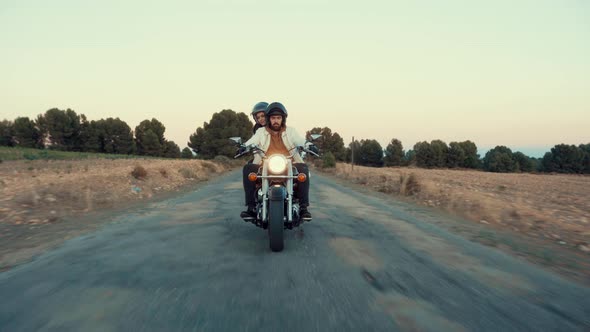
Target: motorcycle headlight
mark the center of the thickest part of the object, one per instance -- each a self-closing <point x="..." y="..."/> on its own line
<point x="277" y="164"/>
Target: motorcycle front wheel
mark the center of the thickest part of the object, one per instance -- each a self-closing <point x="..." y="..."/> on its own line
<point x="276" y="212"/>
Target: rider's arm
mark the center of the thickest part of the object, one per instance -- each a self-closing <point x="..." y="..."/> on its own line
<point x="297" y="139"/>
<point x="256" y="139"/>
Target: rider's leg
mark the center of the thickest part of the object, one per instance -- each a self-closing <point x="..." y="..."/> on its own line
<point x="303" y="191"/>
<point x="249" y="190"/>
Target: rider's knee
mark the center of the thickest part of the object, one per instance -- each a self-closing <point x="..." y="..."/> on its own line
<point x="302" y="168"/>
<point x="249" y="168"/>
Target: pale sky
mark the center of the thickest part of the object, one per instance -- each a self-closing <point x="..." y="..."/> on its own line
<point x="514" y="73"/>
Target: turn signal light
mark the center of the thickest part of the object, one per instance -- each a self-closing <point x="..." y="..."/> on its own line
<point x="252" y="177"/>
<point x="301" y="177"/>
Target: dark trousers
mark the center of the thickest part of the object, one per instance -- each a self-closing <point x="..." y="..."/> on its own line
<point x="301" y="190"/>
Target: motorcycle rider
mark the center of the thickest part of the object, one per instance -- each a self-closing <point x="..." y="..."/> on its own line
<point x="276" y="138"/>
<point x="259" y="115"/>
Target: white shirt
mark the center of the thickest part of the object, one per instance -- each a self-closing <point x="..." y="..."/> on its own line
<point x="291" y="139"/>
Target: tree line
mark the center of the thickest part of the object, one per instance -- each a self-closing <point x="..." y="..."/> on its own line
<point x="69" y="131"/>
<point x="562" y="158"/>
<point x="66" y="130"/>
<point x="210" y="140"/>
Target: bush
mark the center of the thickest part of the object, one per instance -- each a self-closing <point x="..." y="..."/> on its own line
<point x="223" y="160"/>
<point x="209" y="166"/>
<point x="139" y="172"/>
<point x="186" y="153"/>
<point x="164" y="172"/>
<point x="328" y="160"/>
<point x="409" y="184"/>
<point x="30" y="156"/>
<point x="188" y="173"/>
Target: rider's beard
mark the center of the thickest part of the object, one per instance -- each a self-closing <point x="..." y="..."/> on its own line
<point x="275" y="126"/>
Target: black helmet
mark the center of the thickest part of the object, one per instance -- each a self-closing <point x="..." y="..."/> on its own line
<point x="259" y="107"/>
<point x="276" y="108"/>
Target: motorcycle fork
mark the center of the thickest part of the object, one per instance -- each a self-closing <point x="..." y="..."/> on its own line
<point x="265" y="186"/>
<point x="289" y="196"/>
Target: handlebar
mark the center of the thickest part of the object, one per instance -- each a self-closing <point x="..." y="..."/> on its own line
<point x="251" y="148"/>
<point x="310" y="152"/>
<point x="256" y="149"/>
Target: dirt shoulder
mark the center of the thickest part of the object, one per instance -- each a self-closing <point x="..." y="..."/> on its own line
<point x="543" y="218"/>
<point x="42" y="202"/>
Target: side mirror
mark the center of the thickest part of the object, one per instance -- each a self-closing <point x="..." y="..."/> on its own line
<point x="315" y="136"/>
<point x="237" y="140"/>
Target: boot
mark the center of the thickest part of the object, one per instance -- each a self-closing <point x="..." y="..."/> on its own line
<point x="304" y="213"/>
<point x="249" y="214"/>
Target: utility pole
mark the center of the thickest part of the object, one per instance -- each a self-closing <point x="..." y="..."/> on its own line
<point x="352" y="149"/>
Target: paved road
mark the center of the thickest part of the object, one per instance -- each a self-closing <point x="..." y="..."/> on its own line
<point x="363" y="264"/>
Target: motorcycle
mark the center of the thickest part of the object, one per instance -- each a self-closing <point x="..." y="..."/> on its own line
<point x="276" y="207"/>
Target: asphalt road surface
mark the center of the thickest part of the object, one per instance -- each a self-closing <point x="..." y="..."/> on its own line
<point x="363" y="264"/>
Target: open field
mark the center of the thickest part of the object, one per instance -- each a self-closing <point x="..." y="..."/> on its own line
<point x="554" y="207"/>
<point x="552" y="211"/>
<point x="37" y="197"/>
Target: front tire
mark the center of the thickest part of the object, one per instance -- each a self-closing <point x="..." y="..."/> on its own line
<point x="276" y="212"/>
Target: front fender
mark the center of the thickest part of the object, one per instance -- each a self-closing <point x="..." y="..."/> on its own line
<point x="277" y="193"/>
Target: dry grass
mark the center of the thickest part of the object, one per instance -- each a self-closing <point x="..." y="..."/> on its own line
<point x="43" y="190"/>
<point x="551" y="207"/>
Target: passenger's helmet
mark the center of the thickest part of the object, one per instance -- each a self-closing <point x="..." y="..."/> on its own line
<point x="259" y="107"/>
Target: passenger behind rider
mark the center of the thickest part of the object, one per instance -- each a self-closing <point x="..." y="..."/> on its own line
<point x="276" y="138"/>
<point x="259" y="115"/>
